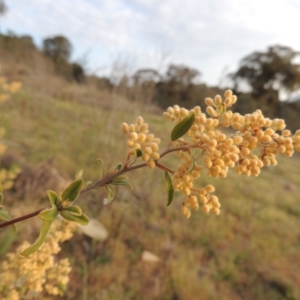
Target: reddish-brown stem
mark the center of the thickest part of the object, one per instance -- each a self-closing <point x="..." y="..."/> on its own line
<point x="19" y="219"/>
<point x="164" y="168"/>
<point x="105" y="180"/>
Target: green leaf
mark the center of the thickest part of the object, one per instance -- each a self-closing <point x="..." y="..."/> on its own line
<point x="102" y="171"/>
<point x="138" y="152"/>
<point x="115" y="169"/>
<point x="1" y="198"/>
<point x="169" y="188"/>
<point x="74" y="210"/>
<point x="183" y="127"/>
<point x="49" y="215"/>
<point x="122" y="180"/>
<point x="119" y="166"/>
<point x="111" y="193"/>
<point x="72" y="191"/>
<point x="53" y="198"/>
<point x="40" y="240"/>
<point x="68" y="215"/>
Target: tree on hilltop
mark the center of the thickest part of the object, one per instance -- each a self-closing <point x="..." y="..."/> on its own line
<point x="268" y="74"/>
<point x="58" y="48"/>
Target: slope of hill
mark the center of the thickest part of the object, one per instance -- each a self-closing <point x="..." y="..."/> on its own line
<point x="250" y="251"/>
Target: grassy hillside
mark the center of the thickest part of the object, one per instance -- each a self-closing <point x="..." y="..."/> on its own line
<point x="250" y="251"/>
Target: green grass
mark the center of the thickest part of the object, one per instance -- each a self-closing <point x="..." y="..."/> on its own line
<point x="250" y="251"/>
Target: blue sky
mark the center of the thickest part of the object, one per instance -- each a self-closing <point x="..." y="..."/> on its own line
<point x="211" y="36"/>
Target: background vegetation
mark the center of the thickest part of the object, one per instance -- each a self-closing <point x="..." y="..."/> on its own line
<point x="63" y="119"/>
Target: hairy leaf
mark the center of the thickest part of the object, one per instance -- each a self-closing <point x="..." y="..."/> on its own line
<point x="72" y="191"/>
<point x="49" y="215"/>
<point x="68" y="215"/>
<point x="53" y="198"/>
<point x="169" y="188"/>
<point x="74" y="210"/>
<point x="110" y="194"/>
<point x="122" y="180"/>
<point x="182" y="127"/>
<point x="119" y="166"/>
<point x="40" y="240"/>
<point x="138" y="152"/>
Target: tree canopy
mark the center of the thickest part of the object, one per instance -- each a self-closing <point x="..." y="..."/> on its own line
<point x="57" y="47"/>
<point x="274" y="69"/>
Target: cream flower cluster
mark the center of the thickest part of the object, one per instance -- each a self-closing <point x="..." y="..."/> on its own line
<point x="7" y="176"/>
<point x="6" y="89"/>
<point x="186" y="173"/>
<point x="255" y="144"/>
<point x="40" y="271"/>
<point x="140" y="138"/>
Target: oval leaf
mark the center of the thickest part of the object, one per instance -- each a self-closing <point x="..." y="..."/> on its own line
<point x="48" y="215"/>
<point x="169" y="188"/>
<point x="72" y="191"/>
<point x="82" y="219"/>
<point x="119" y="166"/>
<point x="183" y="127"/>
<point x="74" y="210"/>
<point x="138" y="152"/>
<point x="122" y="180"/>
<point x="1" y="198"/>
<point x="53" y="198"/>
<point x="37" y="244"/>
<point x="110" y="194"/>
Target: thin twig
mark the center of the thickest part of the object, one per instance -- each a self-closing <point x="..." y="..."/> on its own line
<point x="105" y="180"/>
<point x="164" y="168"/>
<point x="19" y="219"/>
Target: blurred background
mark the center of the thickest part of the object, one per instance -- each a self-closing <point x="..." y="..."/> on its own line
<point x="86" y="67"/>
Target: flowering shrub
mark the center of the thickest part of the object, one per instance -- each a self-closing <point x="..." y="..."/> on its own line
<point x="41" y="272"/>
<point x="6" y="89"/>
<point x="200" y="144"/>
<point x="6" y="176"/>
<point x="211" y="142"/>
<point x="249" y="143"/>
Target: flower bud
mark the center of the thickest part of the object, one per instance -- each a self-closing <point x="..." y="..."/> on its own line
<point x="155" y="155"/>
<point x="151" y="164"/>
<point x="209" y="102"/>
<point x="125" y="127"/>
<point x="228" y="94"/>
<point x="210" y="188"/>
<point x="139" y="120"/>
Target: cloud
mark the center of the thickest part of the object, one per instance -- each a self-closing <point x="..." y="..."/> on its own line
<point x="208" y="35"/>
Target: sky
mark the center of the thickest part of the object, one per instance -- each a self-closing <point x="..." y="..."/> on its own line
<point x="211" y="36"/>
